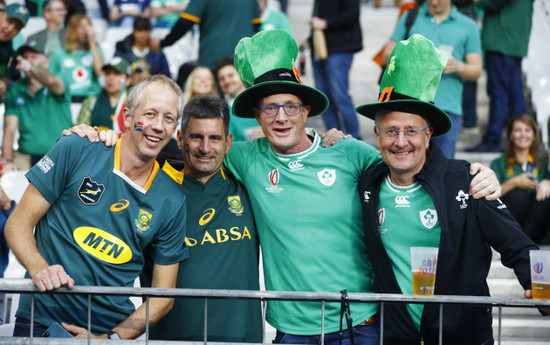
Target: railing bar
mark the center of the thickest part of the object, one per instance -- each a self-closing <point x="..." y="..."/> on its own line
<point x="441" y="324"/>
<point x="32" y="318"/>
<point x="323" y="323"/>
<point x="147" y="320"/>
<point x="89" y="319"/>
<point x="205" y="320"/>
<point x="264" y="311"/>
<point x="381" y="323"/>
<point x="499" y="324"/>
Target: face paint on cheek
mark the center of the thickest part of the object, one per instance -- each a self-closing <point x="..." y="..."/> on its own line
<point x="186" y="149"/>
<point x="138" y="126"/>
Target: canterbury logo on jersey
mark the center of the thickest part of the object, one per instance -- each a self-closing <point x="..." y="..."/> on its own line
<point x="296" y="165"/>
<point x="402" y="201"/>
<point x="220" y="236"/>
<point x="102" y="245"/>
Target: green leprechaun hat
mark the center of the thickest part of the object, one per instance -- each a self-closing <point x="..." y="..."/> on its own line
<point x="410" y="82"/>
<point x="265" y="63"/>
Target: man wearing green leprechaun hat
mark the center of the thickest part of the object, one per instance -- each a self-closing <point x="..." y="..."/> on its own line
<point x="305" y="197"/>
<point x="418" y="198"/>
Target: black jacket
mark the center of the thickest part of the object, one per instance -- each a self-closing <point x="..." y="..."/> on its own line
<point x="343" y="32"/>
<point x="469" y="228"/>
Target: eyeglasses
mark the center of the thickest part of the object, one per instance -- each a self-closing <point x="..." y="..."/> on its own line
<point x="392" y="132"/>
<point x="291" y="109"/>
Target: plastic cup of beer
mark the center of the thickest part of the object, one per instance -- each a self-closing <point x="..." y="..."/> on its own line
<point x="424" y="266"/>
<point x="540" y="273"/>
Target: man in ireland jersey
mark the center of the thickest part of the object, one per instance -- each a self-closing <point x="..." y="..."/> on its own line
<point x="419" y="198"/>
<point x="96" y="209"/>
<point x="305" y="197"/>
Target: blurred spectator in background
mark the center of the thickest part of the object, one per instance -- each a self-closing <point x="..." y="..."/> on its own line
<point x="222" y="23"/>
<point x="74" y="7"/>
<point x="53" y="36"/>
<point x="273" y="18"/>
<point x="38" y="106"/>
<point x="200" y="82"/>
<point x="456" y="34"/>
<point x="505" y="39"/>
<point x="81" y="60"/>
<point x="167" y="12"/>
<point x="231" y="86"/>
<point x="469" y="92"/>
<point x="124" y="12"/>
<point x="6" y="207"/>
<point x="524" y="177"/>
<point x="104" y="110"/>
<point x="12" y="19"/>
<point x="339" y="21"/>
<point x="135" y="49"/>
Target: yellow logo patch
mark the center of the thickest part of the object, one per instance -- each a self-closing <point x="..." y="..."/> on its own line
<point x="207" y="216"/>
<point x="102" y="245"/>
<point x="143" y="220"/>
<point x="235" y="205"/>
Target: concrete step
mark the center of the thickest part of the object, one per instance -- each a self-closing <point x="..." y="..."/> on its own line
<point x="525" y="326"/>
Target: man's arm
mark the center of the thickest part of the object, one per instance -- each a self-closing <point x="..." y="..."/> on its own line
<point x="469" y="70"/>
<point x="11" y="123"/>
<point x="180" y="28"/>
<point x="55" y="84"/>
<point x="19" y="234"/>
<point x="164" y="276"/>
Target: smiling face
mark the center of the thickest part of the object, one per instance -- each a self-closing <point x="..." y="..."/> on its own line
<point x="404" y="155"/>
<point x="9" y="27"/>
<point x="229" y="81"/>
<point x="204" y="146"/>
<point x="203" y="82"/>
<point x="522" y="135"/>
<point x="153" y="122"/>
<point x="286" y="134"/>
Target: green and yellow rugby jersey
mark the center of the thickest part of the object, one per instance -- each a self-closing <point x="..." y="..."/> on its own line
<point x="310" y="224"/>
<point x="97" y="227"/>
<point x="223" y="254"/>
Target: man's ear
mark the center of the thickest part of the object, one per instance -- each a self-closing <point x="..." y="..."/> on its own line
<point x="180" y="140"/>
<point x="127" y="119"/>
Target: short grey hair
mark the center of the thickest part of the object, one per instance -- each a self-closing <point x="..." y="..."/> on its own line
<point x="136" y="92"/>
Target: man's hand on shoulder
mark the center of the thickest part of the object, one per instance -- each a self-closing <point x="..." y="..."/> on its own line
<point x="52" y="277"/>
<point x="485" y="183"/>
<point x="94" y="134"/>
<point x="332" y="136"/>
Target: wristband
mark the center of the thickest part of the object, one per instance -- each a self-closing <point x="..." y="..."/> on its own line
<point x="113" y="335"/>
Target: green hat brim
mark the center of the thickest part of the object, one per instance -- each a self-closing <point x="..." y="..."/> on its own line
<point x="438" y="118"/>
<point x="247" y="100"/>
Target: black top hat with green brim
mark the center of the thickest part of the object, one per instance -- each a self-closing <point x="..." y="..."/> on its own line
<point x="265" y="63"/>
<point x="410" y="82"/>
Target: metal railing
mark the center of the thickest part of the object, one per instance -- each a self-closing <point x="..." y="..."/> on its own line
<point x="26" y="286"/>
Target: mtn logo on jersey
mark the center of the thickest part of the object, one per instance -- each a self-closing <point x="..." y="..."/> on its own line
<point x="102" y="245"/>
<point x="402" y="201"/>
<point x="327" y="177"/>
<point x="428" y="217"/>
<point x="235" y="205"/>
<point x="90" y="192"/>
<point x="380" y="220"/>
<point x="143" y="220"/>
<point x="273" y="178"/>
<point x="462" y="197"/>
<point x="296" y="165"/>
